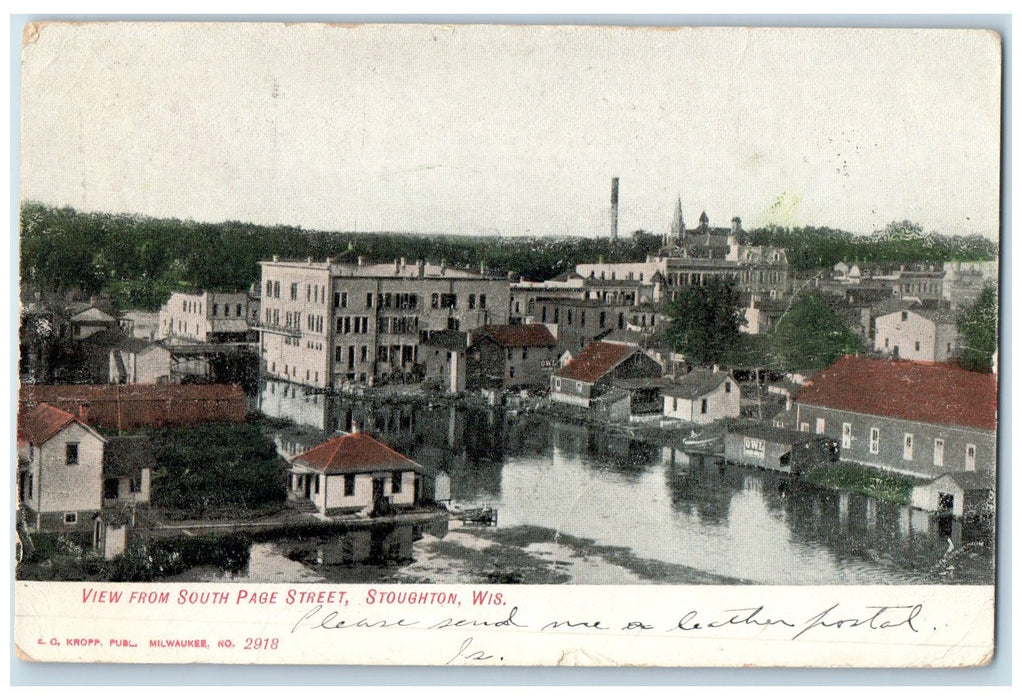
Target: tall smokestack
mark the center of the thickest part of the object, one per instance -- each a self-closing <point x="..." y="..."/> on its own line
<point x="613" y="209"/>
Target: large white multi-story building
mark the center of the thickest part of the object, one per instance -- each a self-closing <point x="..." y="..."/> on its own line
<point x="208" y="317"/>
<point x="326" y="323"/>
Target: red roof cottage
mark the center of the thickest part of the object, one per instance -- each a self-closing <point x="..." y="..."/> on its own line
<point x="354" y="473"/>
<point x="60" y="469"/>
<point x="591" y="373"/>
<point x="916" y="418"/>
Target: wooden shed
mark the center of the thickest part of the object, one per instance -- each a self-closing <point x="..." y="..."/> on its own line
<point x="957" y="494"/>
<point x="777" y="449"/>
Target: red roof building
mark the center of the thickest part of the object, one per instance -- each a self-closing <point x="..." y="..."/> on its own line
<point x="596" y="360"/>
<point x="921" y="419"/>
<point x="354" y="473"/>
<point x="60" y="469"/>
<point x="591" y="373"/>
<point x="132" y="407"/>
<point x="353" y="453"/>
<point x="39" y="423"/>
<point x="943" y="394"/>
<point x="511" y="356"/>
<point x="526" y="335"/>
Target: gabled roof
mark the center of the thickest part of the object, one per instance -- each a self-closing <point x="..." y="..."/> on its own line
<point x="39" y="424"/>
<point x="969" y="481"/>
<point x="529" y="335"/>
<point x="698" y="382"/>
<point x="92" y="315"/>
<point x="595" y="361"/>
<point x="942" y="394"/>
<point x="353" y="453"/>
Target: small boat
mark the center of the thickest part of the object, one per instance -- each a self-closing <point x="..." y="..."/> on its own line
<point x="704" y="442"/>
<point x="480" y="516"/>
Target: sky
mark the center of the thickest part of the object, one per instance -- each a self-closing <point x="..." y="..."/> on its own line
<point x="514" y="130"/>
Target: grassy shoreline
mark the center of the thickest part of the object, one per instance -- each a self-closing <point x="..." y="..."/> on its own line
<point x="858" y="478"/>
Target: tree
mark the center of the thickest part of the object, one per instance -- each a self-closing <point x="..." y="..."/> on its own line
<point x="811" y="335"/>
<point x="705" y="321"/>
<point x="978" y="328"/>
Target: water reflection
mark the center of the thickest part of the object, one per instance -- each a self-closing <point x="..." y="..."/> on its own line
<point x="657" y="503"/>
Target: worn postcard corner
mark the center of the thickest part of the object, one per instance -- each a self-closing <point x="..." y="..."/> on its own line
<point x="395" y="344"/>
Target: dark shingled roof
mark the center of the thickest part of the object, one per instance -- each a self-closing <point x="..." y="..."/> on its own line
<point x="696" y="383"/>
<point x="527" y="335"/>
<point x="595" y="361"/>
<point x="942" y="394"/>
<point x="127" y="455"/>
<point x="353" y="454"/>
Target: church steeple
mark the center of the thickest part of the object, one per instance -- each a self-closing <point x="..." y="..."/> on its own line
<point x="678" y="222"/>
<point x="704" y="223"/>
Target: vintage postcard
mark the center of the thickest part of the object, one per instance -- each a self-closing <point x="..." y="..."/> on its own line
<point x="507" y="345"/>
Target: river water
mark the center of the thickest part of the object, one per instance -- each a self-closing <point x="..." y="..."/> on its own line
<point x="584" y="506"/>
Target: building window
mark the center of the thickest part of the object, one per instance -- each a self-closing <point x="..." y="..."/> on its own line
<point x="471" y="301"/>
<point x="904" y="315"/>
<point x="365" y="353"/>
<point x="71" y="452"/>
<point x="70" y="518"/>
<point x="907" y="451"/>
<point x="436" y="301"/>
<point x="482" y="301"/>
<point x="578" y="387"/>
<point x="317" y="483"/>
<point x="821" y="425"/>
<point x="349" y="484"/>
<point x="135" y="484"/>
<point x="938" y="452"/>
<point x="970" y="457"/>
<point x="344" y="300"/>
<point x="846" y="435"/>
<point x="917" y="346"/>
<point x="395" y="482"/>
<point x="557" y="383"/>
<point x="216" y="307"/>
<point x="237" y="311"/>
<point x="294" y="291"/>
<point x="727" y="387"/>
<point x="702" y="406"/>
<point x="369" y="300"/>
<point x="874" y="441"/>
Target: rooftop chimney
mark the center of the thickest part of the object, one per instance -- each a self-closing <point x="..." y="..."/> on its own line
<point x="421" y="264"/>
<point x="613" y="209"/>
<point x="361" y="261"/>
<point x="309" y="260"/>
<point x="276" y="258"/>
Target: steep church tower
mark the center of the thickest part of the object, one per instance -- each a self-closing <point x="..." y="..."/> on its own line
<point x="678" y="224"/>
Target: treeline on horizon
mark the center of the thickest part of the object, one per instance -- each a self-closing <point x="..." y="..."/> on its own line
<point x="139" y="261"/>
